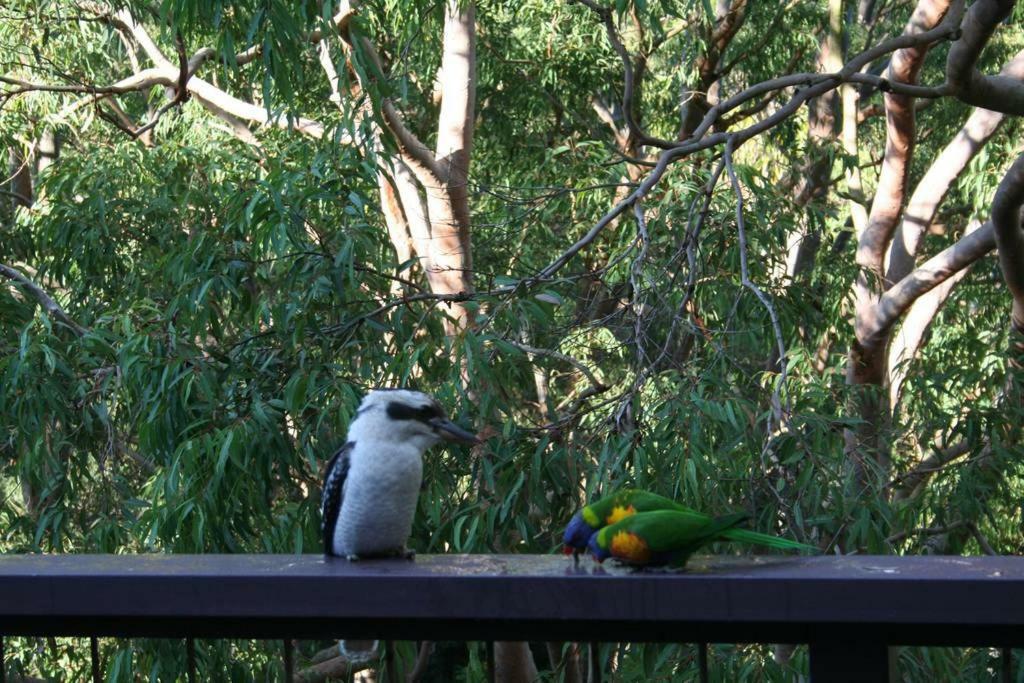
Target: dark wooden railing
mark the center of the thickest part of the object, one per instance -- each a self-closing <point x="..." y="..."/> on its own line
<point x="847" y="609"/>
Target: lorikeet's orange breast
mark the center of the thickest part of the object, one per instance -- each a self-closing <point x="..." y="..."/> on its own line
<point x="619" y="513"/>
<point x="628" y="546"/>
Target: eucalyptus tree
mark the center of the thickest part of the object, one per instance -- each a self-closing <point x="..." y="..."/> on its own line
<point x="612" y="232"/>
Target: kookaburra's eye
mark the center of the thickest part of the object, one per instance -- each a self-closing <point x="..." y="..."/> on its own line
<point x="401" y="411"/>
<point x="428" y="413"/>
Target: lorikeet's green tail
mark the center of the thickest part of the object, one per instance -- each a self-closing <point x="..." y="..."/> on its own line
<point x="745" y="536"/>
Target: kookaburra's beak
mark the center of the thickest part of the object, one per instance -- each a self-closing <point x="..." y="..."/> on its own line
<point x="452" y="432"/>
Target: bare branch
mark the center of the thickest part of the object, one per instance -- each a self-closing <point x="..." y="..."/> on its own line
<point x="629" y="77"/>
<point x="909" y="482"/>
<point x="895" y="302"/>
<point x="417" y="155"/>
<point x="926" y="531"/>
<point x="943" y="172"/>
<point x="986" y="547"/>
<point x="422" y="660"/>
<point x="52" y="308"/>
<point x="211" y="97"/>
<point x="901" y="137"/>
<point x="1006" y="217"/>
<point x="181" y="91"/>
<point x="549" y="353"/>
<point x="749" y="284"/>
<point x="914" y="326"/>
<point x="998" y="93"/>
<point x="338" y="23"/>
<point x="140" y="81"/>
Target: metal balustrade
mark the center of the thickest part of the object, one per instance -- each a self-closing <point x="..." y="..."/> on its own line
<point x="848" y="609"/>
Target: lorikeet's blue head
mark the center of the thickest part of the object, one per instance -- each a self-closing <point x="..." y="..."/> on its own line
<point x="577" y="534"/>
<point x="600" y="554"/>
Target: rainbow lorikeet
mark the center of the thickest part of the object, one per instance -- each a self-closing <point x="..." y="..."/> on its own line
<point x="611" y="509"/>
<point x="670" y="537"/>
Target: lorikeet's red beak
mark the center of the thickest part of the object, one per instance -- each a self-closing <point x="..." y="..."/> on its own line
<point x="567" y="550"/>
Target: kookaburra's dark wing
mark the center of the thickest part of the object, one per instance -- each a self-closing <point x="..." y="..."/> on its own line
<point x="333" y="494"/>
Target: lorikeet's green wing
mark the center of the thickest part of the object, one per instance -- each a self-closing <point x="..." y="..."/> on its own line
<point x="663" y="536"/>
<point x="684" y="519"/>
<point x="621" y="504"/>
<point x="682" y="533"/>
<point x="715" y="530"/>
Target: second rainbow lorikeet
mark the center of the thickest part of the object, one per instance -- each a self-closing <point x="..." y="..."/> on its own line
<point x="670" y="537"/>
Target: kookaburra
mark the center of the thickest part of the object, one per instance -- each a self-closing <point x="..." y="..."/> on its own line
<point x="373" y="481"/>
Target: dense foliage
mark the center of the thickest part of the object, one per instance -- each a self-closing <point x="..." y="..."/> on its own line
<point x="232" y="301"/>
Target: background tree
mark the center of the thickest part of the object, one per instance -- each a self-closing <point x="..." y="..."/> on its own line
<point x="592" y="228"/>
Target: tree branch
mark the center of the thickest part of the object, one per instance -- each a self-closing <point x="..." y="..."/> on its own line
<point x="338" y="23"/>
<point x="629" y="77"/>
<point x="1006" y="217"/>
<point x="914" y="325"/>
<point x="998" y="93"/>
<point x="935" y="184"/>
<point x="549" y="353"/>
<point x="901" y="136"/>
<point x="895" y="302"/>
<point x="52" y="308"/>
<point x="749" y="284"/>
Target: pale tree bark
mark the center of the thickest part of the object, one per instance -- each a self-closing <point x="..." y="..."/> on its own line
<point x="920" y="214"/>
<point x="1000" y="92"/>
<point x="448" y="202"/>
<point x="851" y="119"/>
<point x="914" y="326"/>
<point x="865" y="447"/>
<point x="815" y="174"/>
<point x="439" y="223"/>
<point x="415" y="210"/>
<point x="396" y="223"/>
<point x="20" y="175"/>
<point x="937" y="181"/>
<point x="48" y="149"/>
<point x="1006" y="218"/>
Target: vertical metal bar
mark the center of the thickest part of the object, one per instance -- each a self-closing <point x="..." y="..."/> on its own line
<point x="390" y="662"/>
<point x="289" y="660"/>
<point x="94" y="654"/>
<point x="702" y="661"/>
<point x="595" y="662"/>
<point x="848" y="662"/>
<point x="1007" y="673"/>
<point x="490" y="661"/>
<point x="190" y="655"/>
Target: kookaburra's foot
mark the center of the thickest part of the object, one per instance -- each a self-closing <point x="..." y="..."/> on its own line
<point x="353" y="558"/>
<point x="409" y="554"/>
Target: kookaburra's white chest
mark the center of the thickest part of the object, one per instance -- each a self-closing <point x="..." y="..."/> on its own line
<point x="379" y="501"/>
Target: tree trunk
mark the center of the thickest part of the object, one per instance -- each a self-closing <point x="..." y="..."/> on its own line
<point x="866" y="445"/>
